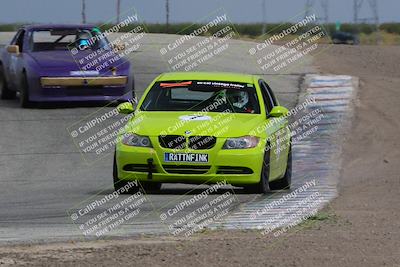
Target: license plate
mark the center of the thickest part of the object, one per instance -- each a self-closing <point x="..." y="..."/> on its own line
<point x="84" y="73"/>
<point x="185" y="157"/>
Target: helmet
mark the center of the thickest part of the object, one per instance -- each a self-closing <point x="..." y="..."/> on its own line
<point x="83" y="39"/>
<point x="237" y="98"/>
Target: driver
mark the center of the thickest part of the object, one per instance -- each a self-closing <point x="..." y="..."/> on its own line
<point x="83" y="40"/>
<point x="240" y="100"/>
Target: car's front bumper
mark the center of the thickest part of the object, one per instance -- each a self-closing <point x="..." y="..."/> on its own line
<point x="120" y="81"/>
<point x="65" y="97"/>
<point x="82" y="89"/>
<point x="236" y="167"/>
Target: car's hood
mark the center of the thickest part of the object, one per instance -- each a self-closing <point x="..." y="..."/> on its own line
<point x="66" y="61"/>
<point x="192" y="123"/>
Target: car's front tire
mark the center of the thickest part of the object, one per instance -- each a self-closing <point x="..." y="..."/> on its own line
<point x="119" y="184"/>
<point x="24" y="92"/>
<point x="263" y="186"/>
<point x="5" y="92"/>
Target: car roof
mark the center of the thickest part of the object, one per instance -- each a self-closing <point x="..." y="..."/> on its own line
<point x="208" y="76"/>
<point x="58" y="26"/>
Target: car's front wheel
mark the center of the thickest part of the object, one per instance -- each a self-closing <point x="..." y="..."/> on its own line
<point x="263" y="186"/>
<point x="24" y="92"/>
<point x="6" y="93"/>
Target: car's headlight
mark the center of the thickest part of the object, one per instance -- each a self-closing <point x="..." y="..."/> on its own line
<point x="131" y="139"/>
<point x="241" y="142"/>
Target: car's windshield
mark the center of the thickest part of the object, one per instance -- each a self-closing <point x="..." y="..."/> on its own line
<point x="67" y="39"/>
<point x="209" y="96"/>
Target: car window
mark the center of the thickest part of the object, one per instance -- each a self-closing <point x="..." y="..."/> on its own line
<point x="271" y="94"/>
<point x="18" y="39"/>
<point x="184" y="94"/>
<point x="67" y="39"/>
<point x="14" y="40"/>
<point x="268" y="100"/>
<point x="209" y="96"/>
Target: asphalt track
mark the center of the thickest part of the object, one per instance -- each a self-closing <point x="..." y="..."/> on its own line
<point x="44" y="178"/>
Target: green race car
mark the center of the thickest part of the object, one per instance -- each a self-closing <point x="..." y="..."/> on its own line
<point x="204" y="128"/>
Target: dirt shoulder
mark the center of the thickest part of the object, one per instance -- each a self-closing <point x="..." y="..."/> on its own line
<point x="360" y="228"/>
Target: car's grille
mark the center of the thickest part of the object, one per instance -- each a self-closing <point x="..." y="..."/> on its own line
<point x="233" y="170"/>
<point x="202" y="142"/>
<point x="139" y="168"/>
<point x="196" y="142"/>
<point x="172" y="141"/>
<point x="186" y="169"/>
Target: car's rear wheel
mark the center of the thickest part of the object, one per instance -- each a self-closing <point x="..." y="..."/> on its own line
<point x="5" y="92"/>
<point x="24" y="92"/>
<point x="284" y="183"/>
<point x="119" y="184"/>
<point x="263" y="186"/>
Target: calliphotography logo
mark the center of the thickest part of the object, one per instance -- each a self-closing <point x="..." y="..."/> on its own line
<point x="201" y="136"/>
<point x="198" y="209"/>
<point x="198" y="116"/>
<point x="102" y="36"/>
<point x="201" y="42"/>
<point x="107" y="213"/>
<point x="95" y="136"/>
<point x="277" y="217"/>
<point x="287" y="46"/>
<point x="102" y="51"/>
<point x="302" y="124"/>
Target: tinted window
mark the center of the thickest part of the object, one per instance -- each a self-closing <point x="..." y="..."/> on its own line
<point x="271" y="93"/>
<point x="67" y="39"/>
<point x="19" y="40"/>
<point x="268" y="100"/>
<point x="14" y="40"/>
<point x="209" y="96"/>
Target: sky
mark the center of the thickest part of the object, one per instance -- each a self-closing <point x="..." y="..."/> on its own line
<point x="150" y="11"/>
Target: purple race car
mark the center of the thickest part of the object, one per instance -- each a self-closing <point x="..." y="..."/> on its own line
<point x="47" y="63"/>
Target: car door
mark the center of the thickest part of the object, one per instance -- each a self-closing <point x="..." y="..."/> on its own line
<point x="7" y="61"/>
<point x="282" y="137"/>
<point x="15" y="60"/>
<point x="276" y="130"/>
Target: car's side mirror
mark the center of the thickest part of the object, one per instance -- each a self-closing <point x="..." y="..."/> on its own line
<point x="125" y="108"/>
<point x="278" y="111"/>
<point x="14" y="49"/>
